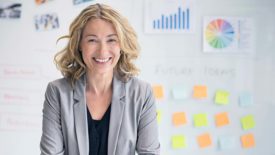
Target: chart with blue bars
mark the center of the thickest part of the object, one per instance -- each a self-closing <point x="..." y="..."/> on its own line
<point x="178" y="20"/>
<point x="169" y="16"/>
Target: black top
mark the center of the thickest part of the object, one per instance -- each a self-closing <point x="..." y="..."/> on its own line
<point x="98" y="133"/>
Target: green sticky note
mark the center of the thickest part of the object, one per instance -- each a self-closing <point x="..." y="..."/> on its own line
<point x="200" y="120"/>
<point x="248" y="122"/>
<point x="222" y="97"/>
<point x="178" y="141"/>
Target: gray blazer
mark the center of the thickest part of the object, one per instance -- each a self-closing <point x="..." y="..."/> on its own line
<point x="133" y="124"/>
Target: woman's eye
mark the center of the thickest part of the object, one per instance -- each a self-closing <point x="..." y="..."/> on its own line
<point x="112" y="40"/>
<point x="92" y="40"/>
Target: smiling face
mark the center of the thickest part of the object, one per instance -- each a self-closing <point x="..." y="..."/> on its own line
<point x="100" y="46"/>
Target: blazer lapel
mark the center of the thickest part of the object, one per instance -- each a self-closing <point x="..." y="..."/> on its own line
<point x="117" y="111"/>
<point x="80" y="116"/>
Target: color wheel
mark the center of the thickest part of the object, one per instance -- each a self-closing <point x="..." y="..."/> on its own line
<point x="219" y="33"/>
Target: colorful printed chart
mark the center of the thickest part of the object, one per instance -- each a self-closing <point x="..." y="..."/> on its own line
<point x="169" y="16"/>
<point x="219" y="33"/>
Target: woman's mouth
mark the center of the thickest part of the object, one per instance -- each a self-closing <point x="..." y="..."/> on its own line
<point x="102" y="60"/>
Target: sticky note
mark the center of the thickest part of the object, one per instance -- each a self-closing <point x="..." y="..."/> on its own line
<point x="227" y="142"/>
<point x="178" y="141"/>
<point x="204" y="140"/>
<point x="179" y="118"/>
<point x="158" y="91"/>
<point x="248" y="122"/>
<point x="159" y="116"/>
<point x="248" y="141"/>
<point x="200" y="92"/>
<point x="221" y="119"/>
<point x="222" y="97"/>
<point x="200" y="120"/>
<point x="245" y="99"/>
<point x="179" y="93"/>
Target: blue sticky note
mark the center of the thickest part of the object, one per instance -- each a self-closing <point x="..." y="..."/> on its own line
<point x="227" y="142"/>
<point x="179" y="93"/>
<point x="245" y="99"/>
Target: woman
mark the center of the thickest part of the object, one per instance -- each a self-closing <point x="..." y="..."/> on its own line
<point x="99" y="107"/>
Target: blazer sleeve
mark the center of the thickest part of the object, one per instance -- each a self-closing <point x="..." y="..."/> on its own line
<point x="147" y="140"/>
<point x="52" y="139"/>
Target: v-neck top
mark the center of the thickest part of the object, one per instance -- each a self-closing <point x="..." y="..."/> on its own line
<point x="98" y="133"/>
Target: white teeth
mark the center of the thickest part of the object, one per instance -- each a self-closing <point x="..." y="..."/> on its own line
<point x="102" y="60"/>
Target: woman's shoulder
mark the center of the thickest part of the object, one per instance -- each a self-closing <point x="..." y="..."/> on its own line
<point x="61" y="83"/>
<point x="137" y="83"/>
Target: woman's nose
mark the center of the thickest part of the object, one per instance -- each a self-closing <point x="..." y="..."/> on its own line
<point x="102" y="47"/>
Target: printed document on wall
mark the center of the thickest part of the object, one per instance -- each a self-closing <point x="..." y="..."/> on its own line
<point x="228" y="34"/>
<point x="169" y="16"/>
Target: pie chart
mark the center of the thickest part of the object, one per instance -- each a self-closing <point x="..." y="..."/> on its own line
<point x="219" y="33"/>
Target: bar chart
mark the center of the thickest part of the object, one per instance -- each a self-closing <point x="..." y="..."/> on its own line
<point x="178" y="20"/>
<point x="169" y="16"/>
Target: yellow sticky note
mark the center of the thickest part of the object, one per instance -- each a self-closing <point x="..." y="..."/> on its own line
<point x="222" y="119"/>
<point x="158" y="91"/>
<point x="179" y="118"/>
<point x="248" y="122"/>
<point x="200" y="92"/>
<point x="248" y="141"/>
<point x="204" y="140"/>
<point x="178" y="141"/>
<point x="159" y="116"/>
<point x="222" y="97"/>
<point x="200" y="120"/>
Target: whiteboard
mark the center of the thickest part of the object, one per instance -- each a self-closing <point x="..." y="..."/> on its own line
<point x="169" y="60"/>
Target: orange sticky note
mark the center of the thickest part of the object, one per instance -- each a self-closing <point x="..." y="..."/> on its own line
<point x="200" y="92"/>
<point x="221" y="119"/>
<point x="248" y="141"/>
<point x="158" y="91"/>
<point x="179" y="118"/>
<point x="204" y="140"/>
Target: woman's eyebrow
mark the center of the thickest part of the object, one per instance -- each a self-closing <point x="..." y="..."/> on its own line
<point x="90" y="35"/>
<point x="93" y="35"/>
<point x="110" y="35"/>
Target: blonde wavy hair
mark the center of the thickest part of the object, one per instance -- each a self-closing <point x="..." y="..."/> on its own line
<point x="69" y="60"/>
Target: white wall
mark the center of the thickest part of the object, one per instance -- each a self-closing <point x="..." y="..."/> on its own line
<point x="26" y="66"/>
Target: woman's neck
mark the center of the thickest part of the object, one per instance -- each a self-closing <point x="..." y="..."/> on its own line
<point x="99" y="84"/>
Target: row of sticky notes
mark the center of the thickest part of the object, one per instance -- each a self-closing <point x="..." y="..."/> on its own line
<point x="205" y="140"/>
<point x="201" y="119"/>
<point x="200" y="92"/>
